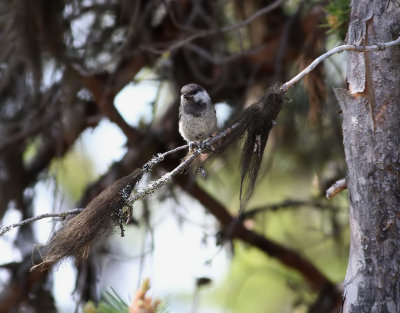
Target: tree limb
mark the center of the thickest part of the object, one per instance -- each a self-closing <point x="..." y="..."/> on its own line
<point x="286" y="204"/>
<point x="206" y="33"/>
<point x="61" y="215"/>
<point x="355" y="48"/>
<point x="337" y="187"/>
<point x="290" y="258"/>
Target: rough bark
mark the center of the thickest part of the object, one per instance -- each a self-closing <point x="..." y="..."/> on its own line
<point x="371" y="131"/>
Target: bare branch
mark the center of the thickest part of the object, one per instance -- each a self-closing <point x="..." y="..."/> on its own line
<point x="61" y="215"/>
<point x="222" y="59"/>
<point x="160" y="157"/>
<point x="287" y="204"/>
<point x="166" y="178"/>
<point x="285" y="255"/>
<point x="205" y="33"/>
<point x="35" y="127"/>
<point x="308" y="69"/>
<point x="337" y="187"/>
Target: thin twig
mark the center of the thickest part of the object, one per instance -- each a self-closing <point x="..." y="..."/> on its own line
<point x="166" y="178"/>
<point x="174" y="19"/>
<point x="160" y="157"/>
<point x="32" y="130"/>
<point x="61" y="215"/>
<point x="205" y="33"/>
<point x="337" y="187"/>
<point x="222" y="59"/>
<point x="308" y="69"/>
<point x="287" y="204"/>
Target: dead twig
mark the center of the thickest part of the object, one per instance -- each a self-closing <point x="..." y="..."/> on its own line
<point x="61" y="215"/>
<point x="206" y="33"/>
<point x="355" y="48"/>
<point x="337" y="187"/>
<point x="287" y="204"/>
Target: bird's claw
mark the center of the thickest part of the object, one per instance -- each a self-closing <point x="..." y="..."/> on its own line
<point x="192" y="145"/>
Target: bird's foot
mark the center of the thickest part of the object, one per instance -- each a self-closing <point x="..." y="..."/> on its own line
<point x="192" y="145"/>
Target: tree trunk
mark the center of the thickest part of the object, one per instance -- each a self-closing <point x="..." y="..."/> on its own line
<point x="371" y="131"/>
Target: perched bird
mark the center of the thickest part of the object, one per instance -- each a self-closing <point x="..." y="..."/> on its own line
<point x="197" y="118"/>
<point x="198" y="121"/>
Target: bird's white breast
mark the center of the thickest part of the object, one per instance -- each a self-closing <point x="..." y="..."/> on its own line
<point x="194" y="128"/>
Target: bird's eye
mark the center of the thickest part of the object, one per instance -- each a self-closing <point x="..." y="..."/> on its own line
<point x="193" y="92"/>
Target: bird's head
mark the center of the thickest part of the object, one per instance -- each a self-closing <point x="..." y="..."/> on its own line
<point x="194" y="93"/>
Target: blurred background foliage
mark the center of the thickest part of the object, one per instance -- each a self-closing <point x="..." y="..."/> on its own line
<point x="71" y="124"/>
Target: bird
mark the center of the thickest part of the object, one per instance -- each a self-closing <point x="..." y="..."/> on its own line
<point x="198" y="121"/>
<point x="197" y="116"/>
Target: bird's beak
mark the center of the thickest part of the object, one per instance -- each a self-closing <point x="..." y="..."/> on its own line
<point x="187" y="96"/>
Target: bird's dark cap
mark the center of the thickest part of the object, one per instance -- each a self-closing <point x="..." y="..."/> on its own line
<point x="191" y="89"/>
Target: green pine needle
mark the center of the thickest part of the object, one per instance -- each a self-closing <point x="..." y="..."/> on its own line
<point x="337" y="17"/>
<point x="112" y="303"/>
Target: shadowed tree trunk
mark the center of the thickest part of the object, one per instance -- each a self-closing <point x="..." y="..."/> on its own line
<point x="371" y="130"/>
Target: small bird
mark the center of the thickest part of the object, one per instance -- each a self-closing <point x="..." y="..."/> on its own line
<point x="197" y="118"/>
